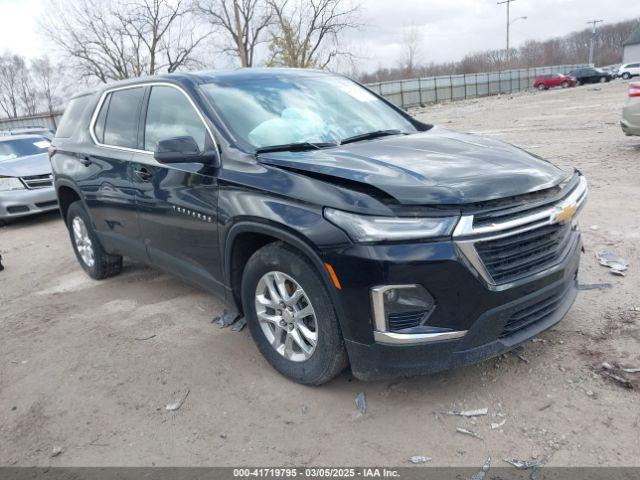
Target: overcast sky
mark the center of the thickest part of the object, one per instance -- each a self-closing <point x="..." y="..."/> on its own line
<point x="450" y="28"/>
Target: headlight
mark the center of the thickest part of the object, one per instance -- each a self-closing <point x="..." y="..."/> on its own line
<point x="366" y="228"/>
<point x="10" y="183"/>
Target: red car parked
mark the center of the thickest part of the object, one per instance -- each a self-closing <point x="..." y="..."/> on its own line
<point x="544" y="82"/>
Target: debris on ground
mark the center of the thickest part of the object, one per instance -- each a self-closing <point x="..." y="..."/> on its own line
<point x="419" y="459"/>
<point x="594" y="286"/>
<point x="469" y="413"/>
<point x="518" y="353"/>
<point x="226" y="319"/>
<point x="594" y="227"/>
<point x="482" y="473"/>
<point x="468" y="432"/>
<point x="56" y="451"/>
<point x="631" y="370"/>
<point x="534" y="465"/>
<point x="498" y="425"/>
<point x="614" y="372"/>
<point x="545" y="406"/>
<point x="239" y="325"/>
<point x="172" y="407"/>
<point x="1" y="267"/>
<point x="617" y="265"/>
<point x="142" y="339"/>
<point x="361" y="402"/>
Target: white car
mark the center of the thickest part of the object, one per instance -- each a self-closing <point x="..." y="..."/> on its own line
<point x="629" y="70"/>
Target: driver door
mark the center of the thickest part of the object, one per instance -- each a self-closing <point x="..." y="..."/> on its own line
<point x="177" y="203"/>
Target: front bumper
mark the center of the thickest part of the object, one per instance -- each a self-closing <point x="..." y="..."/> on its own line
<point x="20" y="203"/>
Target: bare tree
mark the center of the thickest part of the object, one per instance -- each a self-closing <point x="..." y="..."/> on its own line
<point x="26" y="90"/>
<point x="9" y="84"/>
<point x="411" y="43"/>
<point x="243" y="22"/>
<point x="306" y="33"/>
<point x="48" y="81"/>
<point x="118" y="39"/>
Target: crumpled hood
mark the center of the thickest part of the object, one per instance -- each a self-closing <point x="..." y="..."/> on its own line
<point x="24" y="166"/>
<point x="438" y="166"/>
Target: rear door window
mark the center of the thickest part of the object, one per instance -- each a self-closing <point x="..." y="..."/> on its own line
<point x="72" y="117"/>
<point x="170" y="114"/>
<point x="121" y="122"/>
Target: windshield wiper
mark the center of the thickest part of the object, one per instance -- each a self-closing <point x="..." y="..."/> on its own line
<point x="295" y="147"/>
<point x="371" y="135"/>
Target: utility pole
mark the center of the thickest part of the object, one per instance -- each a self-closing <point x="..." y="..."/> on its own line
<point x="508" y="2"/>
<point x="593" y="23"/>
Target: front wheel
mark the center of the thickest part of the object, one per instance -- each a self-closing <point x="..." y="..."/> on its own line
<point x="291" y="316"/>
<point x="565" y="84"/>
<point x="603" y="79"/>
<point x="94" y="260"/>
<point x="626" y="75"/>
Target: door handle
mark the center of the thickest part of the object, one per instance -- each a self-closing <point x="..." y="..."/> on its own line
<point x="143" y="174"/>
<point x="86" y="161"/>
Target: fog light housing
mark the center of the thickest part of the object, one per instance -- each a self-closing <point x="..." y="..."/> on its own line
<point x="401" y="307"/>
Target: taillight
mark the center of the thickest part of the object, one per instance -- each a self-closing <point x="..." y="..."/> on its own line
<point x="51" y="151"/>
<point x="634" y="90"/>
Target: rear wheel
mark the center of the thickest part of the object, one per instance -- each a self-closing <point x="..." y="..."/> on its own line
<point x="626" y="75"/>
<point x="603" y="79"/>
<point x="96" y="262"/>
<point x="542" y="87"/>
<point x="291" y="316"/>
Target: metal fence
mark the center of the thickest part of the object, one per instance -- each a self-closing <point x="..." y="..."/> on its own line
<point x="45" y="120"/>
<point x="421" y="91"/>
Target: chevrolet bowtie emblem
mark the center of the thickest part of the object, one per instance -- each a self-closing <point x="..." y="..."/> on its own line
<point x="565" y="214"/>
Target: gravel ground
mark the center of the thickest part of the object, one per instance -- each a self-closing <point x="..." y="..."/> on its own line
<point x="77" y="374"/>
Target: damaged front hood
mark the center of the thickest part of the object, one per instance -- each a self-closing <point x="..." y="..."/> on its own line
<point x="25" y="166"/>
<point x="434" y="167"/>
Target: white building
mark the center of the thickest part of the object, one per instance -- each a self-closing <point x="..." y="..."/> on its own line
<point x="631" y="48"/>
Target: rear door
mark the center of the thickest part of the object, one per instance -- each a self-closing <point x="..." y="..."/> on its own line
<point x="105" y="170"/>
<point x="177" y="203"/>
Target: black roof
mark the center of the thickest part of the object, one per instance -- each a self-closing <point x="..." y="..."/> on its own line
<point x="235" y="75"/>
<point x="633" y="39"/>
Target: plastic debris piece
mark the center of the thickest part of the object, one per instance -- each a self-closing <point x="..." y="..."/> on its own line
<point x="617" y="272"/>
<point x="498" y="425"/>
<point x="617" y="265"/>
<point x="468" y="432"/>
<point x="607" y="366"/>
<point x="361" y="402"/>
<point x="619" y="379"/>
<point x="172" y="407"/>
<point x="469" y="413"/>
<point x="594" y="286"/>
<point x="1" y="266"/>
<point x="631" y="370"/>
<point x="482" y="473"/>
<point x="56" y="451"/>
<point x="594" y="227"/>
<point x="146" y="338"/>
<point x="226" y="319"/>
<point x="239" y="325"/>
<point x="418" y="459"/>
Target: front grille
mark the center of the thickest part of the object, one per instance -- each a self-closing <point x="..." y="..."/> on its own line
<point x="402" y="320"/>
<point x="38" y="181"/>
<point x="18" y="209"/>
<point x="532" y="314"/>
<point x="517" y="256"/>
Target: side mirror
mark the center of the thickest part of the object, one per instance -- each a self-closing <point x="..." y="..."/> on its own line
<point x="184" y="150"/>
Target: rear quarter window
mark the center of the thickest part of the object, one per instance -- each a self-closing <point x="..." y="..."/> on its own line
<point x="72" y="117"/>
<point x="121" y="122"/>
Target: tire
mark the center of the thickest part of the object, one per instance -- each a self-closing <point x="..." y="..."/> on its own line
<point x="328" y="357"/>
<point x="626" y="75"/>
<point x="603" y="79"/>
<point x="579" y="83"/>
<point x="565" y="84"/>
<point x="86" y="245"/>
<point x="542" y="87"/>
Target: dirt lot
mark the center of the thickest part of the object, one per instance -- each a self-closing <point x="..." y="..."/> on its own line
<point x="75" y="372"/>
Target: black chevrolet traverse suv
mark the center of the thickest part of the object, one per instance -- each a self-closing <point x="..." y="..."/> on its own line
<point x="346" y="231"/>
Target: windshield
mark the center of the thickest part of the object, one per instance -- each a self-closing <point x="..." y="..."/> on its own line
<point x="291" y="109"/>
<point x="22" y="147"/>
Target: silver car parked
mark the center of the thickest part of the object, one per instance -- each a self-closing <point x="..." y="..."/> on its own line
<point x="26" y="185"/>
<point x="630" y="122"/>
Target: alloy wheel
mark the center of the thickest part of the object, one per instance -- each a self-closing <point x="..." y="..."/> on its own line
<point x="286" y="316"/>
<point x="83" y="241"/>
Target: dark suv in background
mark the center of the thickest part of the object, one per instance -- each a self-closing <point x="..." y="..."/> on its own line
<point x="590" y="75"/>
<point x="342" y="228"/>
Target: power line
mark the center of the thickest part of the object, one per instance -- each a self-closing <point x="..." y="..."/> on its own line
<point x="593" y="24"/>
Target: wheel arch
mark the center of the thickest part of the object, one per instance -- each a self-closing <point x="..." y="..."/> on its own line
<point x="255" y="235"/>
<point x="66" y="194"/>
